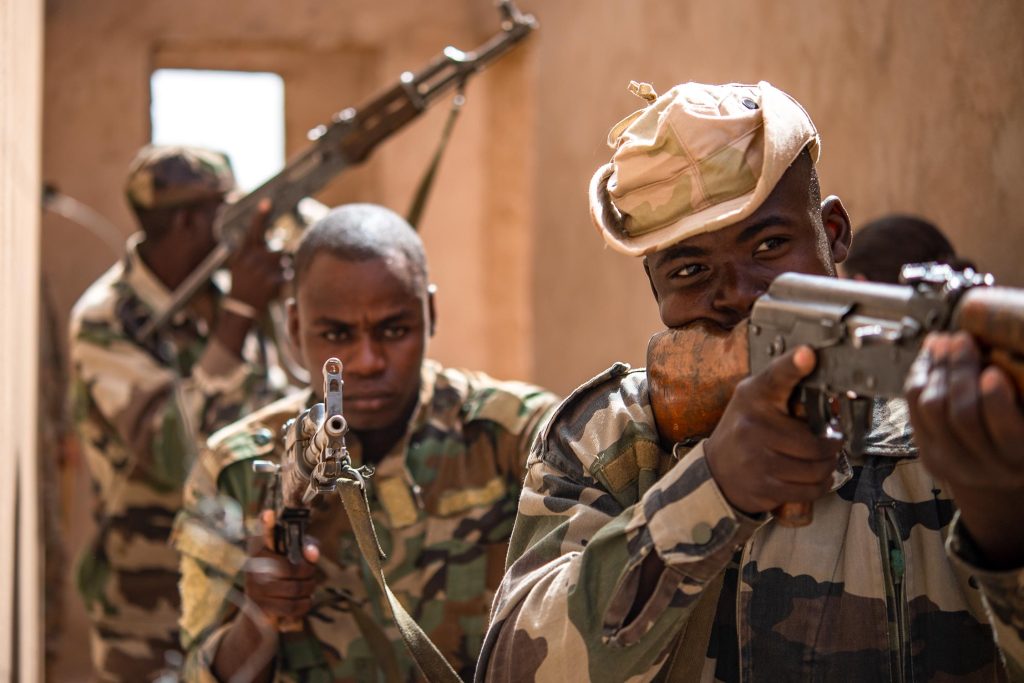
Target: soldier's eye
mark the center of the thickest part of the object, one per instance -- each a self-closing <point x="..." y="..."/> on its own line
<point x="690" y="270"/>
<point x="394" y="332"/>
<point x="770" y="244"/>
<point x="335" y="336"/>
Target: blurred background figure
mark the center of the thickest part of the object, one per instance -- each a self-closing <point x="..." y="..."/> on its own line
<point x="141" y="404"/>
<point x="884" y="245"/>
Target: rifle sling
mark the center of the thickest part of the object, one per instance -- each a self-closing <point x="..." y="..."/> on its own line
<point x="428" y="658"/>
<point x="419" y="201"/>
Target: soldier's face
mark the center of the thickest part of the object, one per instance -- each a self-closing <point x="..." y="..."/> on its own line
<point x="194" y="239"/>
<point x="375" y="317"/>
<point x="716" y="277"/>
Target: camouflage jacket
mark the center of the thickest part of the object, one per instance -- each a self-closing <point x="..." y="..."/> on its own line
<point x="443" y="500"/>
<point x="138" y="409"/>
<point x="865" y="593"/>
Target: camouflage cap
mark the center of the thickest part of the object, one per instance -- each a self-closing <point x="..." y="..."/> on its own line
<point x="163" y="176"/>
<point x="696" y="159"/>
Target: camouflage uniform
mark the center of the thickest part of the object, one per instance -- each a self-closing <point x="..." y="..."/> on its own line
<point x="443" y="500"/>
<point x="139" y="407"/>
<point x="866" y="593"/>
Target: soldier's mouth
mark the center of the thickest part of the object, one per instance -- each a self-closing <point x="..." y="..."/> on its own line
<point x="368" y="402"/>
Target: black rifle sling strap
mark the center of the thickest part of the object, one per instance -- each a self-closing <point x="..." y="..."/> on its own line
<point x="419" y="201"/>
<point x="431" y="662"/>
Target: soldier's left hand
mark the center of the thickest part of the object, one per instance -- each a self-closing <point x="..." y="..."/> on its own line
<point x="969" y="430"/>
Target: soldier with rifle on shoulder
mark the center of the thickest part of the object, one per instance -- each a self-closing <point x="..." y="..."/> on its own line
<point x="142" y="403"/>
<point x="649" y="549"/>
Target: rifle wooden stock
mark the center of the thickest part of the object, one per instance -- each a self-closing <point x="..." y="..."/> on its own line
<point x="994" y="316"/>
<point x="691" y="375"/>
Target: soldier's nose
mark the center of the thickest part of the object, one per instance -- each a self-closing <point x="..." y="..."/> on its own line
<point x="367" y="359"/>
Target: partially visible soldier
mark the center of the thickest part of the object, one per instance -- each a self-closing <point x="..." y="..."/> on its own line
<point x="882" y="247"/>
<point x="449" y="447"/>
<point x="639" y="558"/>
<point x="140" y="404"/>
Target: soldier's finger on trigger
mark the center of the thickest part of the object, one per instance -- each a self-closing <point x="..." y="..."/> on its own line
<point x="311" y="551"/>
<point x="781" y="377"/>
<point x="791" y="436"/>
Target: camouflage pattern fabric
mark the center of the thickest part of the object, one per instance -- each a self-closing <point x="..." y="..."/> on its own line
<point x="695" y="159"/>
<point x="137" y="433"/>
<point x="865" y="593"/>
<point x="166" y="176"/>
<point x="443" y="500"/>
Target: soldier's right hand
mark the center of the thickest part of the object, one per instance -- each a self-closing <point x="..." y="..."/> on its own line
<point x="759" y="454"/>
<point x="256" y="272"/>
<point x="282" y="590"/>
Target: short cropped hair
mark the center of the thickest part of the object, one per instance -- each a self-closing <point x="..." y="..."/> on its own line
<point x="362" y="232"/>
<point x="883" y="246"/>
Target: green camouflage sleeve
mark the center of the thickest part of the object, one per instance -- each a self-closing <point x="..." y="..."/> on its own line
<point x="567" y="599"/>
<point x="135" y="395"/>
<point x="517" y="411"/>
<point x="221" y="502"/>
<point x="1003" y="595"/>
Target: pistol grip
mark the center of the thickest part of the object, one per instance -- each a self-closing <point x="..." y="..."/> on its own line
<point x="289" y="625"/>
<point x="816" y="407"/>
<point x="290" y="533"/>
<point x="794" y="515"/>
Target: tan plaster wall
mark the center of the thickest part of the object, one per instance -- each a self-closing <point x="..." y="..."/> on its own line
<point x="21" y="553"/>
<point x="331" y="55"/>
<point x="920" y="104"/>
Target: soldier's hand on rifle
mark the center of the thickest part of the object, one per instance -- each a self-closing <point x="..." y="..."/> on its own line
<point x="276" y="592"/>
<point x="283" y="591"/>
<point x="759" y="454"/>
<point x="256" y="272"/>
<point x="969" y="430"/>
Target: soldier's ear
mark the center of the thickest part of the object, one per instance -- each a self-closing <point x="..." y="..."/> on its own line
<point x="650" y="280"/>
<point x="431" y="310"/>
<point x="292" y="309"/>
<point x="837" y="225"/>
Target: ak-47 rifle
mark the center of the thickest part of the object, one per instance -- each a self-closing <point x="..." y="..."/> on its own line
<point x="346" y="141"/>
<point x="865" y="335"/>
<point x="316" y="461"/>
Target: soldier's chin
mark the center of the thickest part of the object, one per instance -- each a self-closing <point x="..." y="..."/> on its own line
<point x="362" y="419"/>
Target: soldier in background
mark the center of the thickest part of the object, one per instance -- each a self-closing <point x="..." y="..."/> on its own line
<point x="449" y="447"/>
<point x="638" y="558"/>
<point x="139" y="405"/>
<point x="882" y="247"/>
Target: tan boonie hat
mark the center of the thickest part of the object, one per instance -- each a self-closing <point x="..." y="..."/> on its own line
<point x="696" y="159"/>
<point x="164" y="176"/>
